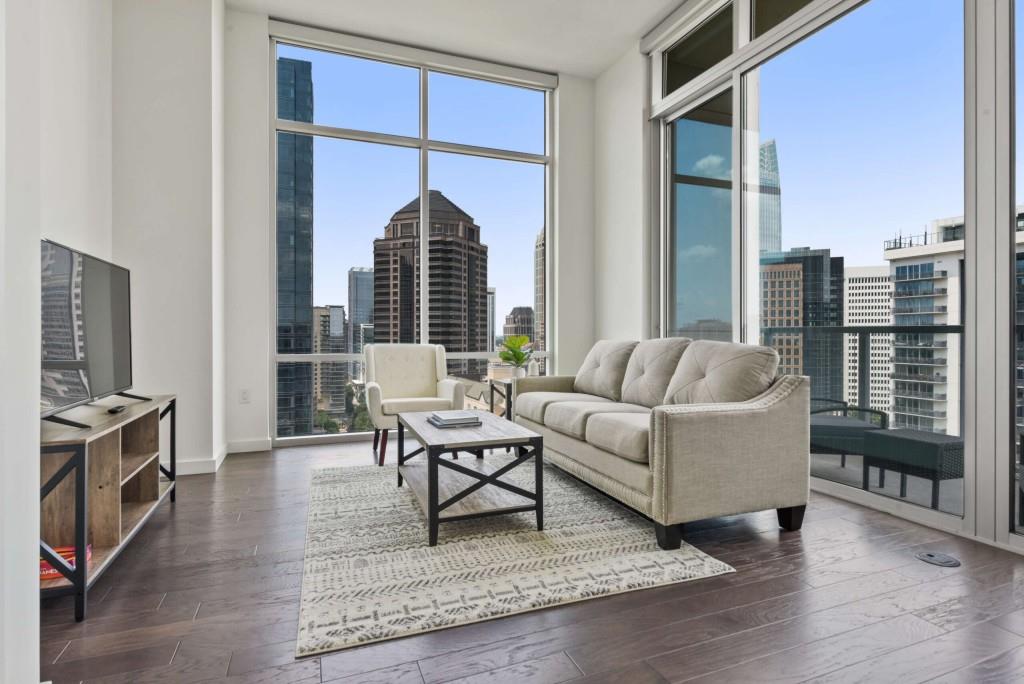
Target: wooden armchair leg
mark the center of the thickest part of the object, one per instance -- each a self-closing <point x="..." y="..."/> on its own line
<point x="383" y="447"/>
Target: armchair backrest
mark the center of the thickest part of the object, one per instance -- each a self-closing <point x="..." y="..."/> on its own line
<point x="405" y="370"/>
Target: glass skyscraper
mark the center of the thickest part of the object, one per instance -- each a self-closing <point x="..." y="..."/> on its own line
<point x="294" y="249"/>
<point x="770" y="200"/>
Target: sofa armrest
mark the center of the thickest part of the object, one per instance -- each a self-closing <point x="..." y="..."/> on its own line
<point x="544" y="383"/>
<point x="452" y="390"/>
<point x="710" y="460"/>
<point x="374" y="403"/>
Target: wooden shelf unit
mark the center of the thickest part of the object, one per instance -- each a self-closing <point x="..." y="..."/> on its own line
<point x="123" y="484"/>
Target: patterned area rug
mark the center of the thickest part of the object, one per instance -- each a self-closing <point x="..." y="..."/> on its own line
<point x="369" y="574"/>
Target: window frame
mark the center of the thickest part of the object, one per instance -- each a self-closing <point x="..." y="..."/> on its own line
<point x="425" y="61"/>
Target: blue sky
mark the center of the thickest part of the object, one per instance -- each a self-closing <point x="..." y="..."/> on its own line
<point x="867" y="115"/>
<point x="358" y="186"/>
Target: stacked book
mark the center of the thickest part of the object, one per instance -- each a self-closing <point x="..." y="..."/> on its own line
<point x="47" y="571"/>
<point x="454" y="419"/>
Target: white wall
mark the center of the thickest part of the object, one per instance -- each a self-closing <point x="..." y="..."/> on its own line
<point x="620" y="234"/>
<point x="19" y="347"/>
<point x="167" y="208"/>
<point x="56" y="126"/>
<point x="574" y="212"/>
<point x="75" y="119"/>
<point x="247" y="230"/>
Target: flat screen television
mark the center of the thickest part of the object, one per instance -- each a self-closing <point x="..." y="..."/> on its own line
<point x="86" y="331"/>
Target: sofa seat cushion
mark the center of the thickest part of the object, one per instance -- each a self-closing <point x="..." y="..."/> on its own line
<point x="571" y="417"/>
<point x="650" y="368"/>
<point x="392" y="407"/>
<point x="624" y="434"/>
<point x="604" y="368"/>
<point x="712" y="372"/>
<point x="533" y="405"/>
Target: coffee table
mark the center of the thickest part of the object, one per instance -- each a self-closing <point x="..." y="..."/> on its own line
<point x="448" y="490"/>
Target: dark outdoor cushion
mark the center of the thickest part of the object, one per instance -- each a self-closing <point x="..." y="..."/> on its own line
<point x="844" y="434"/>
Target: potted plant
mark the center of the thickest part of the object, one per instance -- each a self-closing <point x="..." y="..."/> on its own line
<point x="514" y="351"/>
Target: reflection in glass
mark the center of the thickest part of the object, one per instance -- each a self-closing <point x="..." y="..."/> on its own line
<point x="348" y="92"/>
<point x="768" y="14"/>
<point x="701" y="230"/>
<point x="472" y="111"/>
<point x="698" y="50"/>
<point x="858" y="230"/>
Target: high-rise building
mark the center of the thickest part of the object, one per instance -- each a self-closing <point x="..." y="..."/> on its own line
<point x="360" y="304"/>
<point x="519" y="321"/>
<point x="769" y="199"/>
<point x="491" y="318"/>
<point x="330" y="377"/>
<point x="927" y="273"/>
<point x="294" y="249"/>
<point x="868" y="301"/>
<point x="803" y="288"/>
<point x="63" y="326"/>
<point x="457" y="281"/>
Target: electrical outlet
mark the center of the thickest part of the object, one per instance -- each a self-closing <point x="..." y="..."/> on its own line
<point x="243" y="397"/>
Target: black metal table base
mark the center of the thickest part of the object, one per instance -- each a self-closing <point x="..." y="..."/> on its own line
<point x="533" y="449"/>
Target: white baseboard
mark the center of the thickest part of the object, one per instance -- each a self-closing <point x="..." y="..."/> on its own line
<point x="201" y="466"/>
<point x="244" y="446"/>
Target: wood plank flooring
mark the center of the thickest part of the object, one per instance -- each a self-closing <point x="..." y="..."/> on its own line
<point x="209" y="592"/>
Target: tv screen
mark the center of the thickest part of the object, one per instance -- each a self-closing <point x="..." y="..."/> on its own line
<point x="86" y="334"/>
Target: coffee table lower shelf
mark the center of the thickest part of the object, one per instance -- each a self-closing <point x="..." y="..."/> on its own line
<point x="487" y="500"/>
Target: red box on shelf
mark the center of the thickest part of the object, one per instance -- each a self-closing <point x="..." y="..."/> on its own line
<point x="47" y="571"/>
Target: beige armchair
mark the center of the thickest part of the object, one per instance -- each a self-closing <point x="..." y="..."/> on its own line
<point x="406" y="377"/>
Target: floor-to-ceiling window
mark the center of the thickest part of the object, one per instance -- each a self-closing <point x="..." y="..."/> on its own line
<point x="847" y="226"/>
<point x="367" y="151"/>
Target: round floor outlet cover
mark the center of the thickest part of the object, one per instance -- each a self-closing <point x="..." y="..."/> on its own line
<point x="942" y="559"/>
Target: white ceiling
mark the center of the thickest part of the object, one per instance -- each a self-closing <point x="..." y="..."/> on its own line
<point x="580" y="37"/>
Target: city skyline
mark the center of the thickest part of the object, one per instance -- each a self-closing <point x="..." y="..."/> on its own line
<point x="357" y="185"/>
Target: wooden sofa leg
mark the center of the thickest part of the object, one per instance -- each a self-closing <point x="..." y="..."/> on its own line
<point x="791" y="518"/>
<point x="669" y="536"/>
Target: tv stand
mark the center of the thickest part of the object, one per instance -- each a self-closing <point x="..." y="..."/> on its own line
<point x="99" y="486"/>
<point x="68" y="423"/>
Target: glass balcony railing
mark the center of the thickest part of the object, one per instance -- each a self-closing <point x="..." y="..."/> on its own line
<point x="919" y="377"/>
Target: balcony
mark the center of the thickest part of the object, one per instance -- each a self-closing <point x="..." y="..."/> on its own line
<point x="923" y="412"/>
<point x="934" y="292"/>
<point x="919" y="344"/>
<point x="905" y="360"/>
<point x="933" y="309"/>
<point x="918" y="377"/>
<point x="911" y="394"/>
<point x="934" y="275"/>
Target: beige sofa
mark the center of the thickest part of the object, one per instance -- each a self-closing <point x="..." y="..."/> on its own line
<point x="679" y="430"/>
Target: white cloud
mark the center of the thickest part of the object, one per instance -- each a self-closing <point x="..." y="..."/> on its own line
<point x="711" y="166"/>
<point x="698" y="252"/>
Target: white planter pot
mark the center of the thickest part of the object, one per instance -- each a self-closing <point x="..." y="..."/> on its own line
<point x="520" y="372"/>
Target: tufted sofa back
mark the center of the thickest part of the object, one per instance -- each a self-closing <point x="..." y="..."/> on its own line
<point x="604" y="368"/>
<point x="405" y="370"/>
<point x="650" y="368"/>
<point x="721" y="372"/>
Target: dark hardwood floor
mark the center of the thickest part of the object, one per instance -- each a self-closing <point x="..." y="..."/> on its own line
<point x="209" y="591"/>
